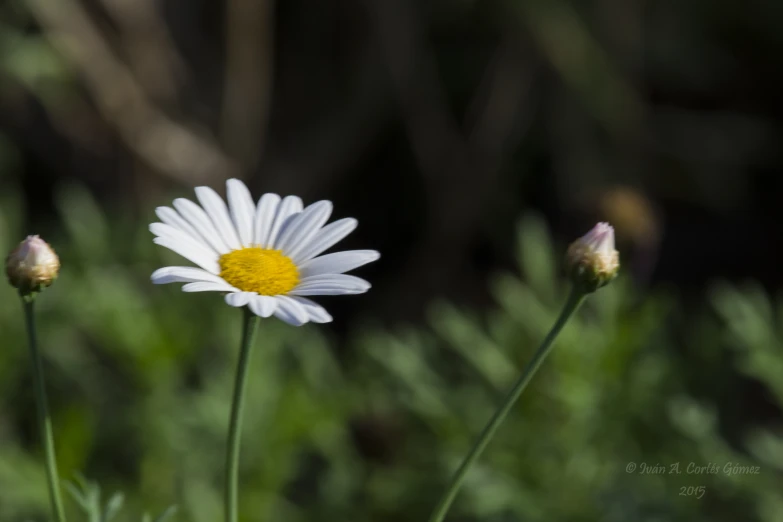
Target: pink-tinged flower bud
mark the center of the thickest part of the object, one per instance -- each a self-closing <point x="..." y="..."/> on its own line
<point x="32" y="266"/>
<point x="592" y="260"/>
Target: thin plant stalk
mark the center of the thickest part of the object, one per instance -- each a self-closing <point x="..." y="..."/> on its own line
<point x="235" y="424"/>
<point x="572" y="304"/>
<point x="44" y="419"/>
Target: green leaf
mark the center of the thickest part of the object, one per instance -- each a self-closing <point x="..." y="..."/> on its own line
<point x="536" y="256"/>
<point x="113" y="506"/>
<point x="170" y="511"/>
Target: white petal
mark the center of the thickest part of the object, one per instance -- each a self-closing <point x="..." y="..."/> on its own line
<point x="171" y="217"/>
<point x="183" y="274"/>
<point x="265" y="218"/>
<point x="196" y="216"/>
<point x="218" y="212"/>
<point x="302" y="229"/>
<point x="239" y="298"/>
<point x="287" y="208"/>
<point x="263" y="305"/>
<point x="242" y="209"/>
<point x="290" y="220"/>
<point x="209" y="287"/>
<point x="202" y="256"/>
<point x="331" y="284"/>
<point x="316" y="312"/>
<point x="326" y="238"/>
<point x="170" y="232"/>
<point x="164" y="230"/>
<point x="290" y="311"/>
<point x="337" y="263"/>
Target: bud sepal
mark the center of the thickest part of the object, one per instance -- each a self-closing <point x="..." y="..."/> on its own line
<point x="591" y="260"/>
<point x="32" y="266"/>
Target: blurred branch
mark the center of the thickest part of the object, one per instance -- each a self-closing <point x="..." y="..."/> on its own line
<point x="248" y="78"/>
<point x="460" y="171"/>
<point x="170" y="147"/>
<point x="49" y="130"/>
<point x="151" y="51"/>
<point x="566" y="41"/>
<point x="496" y="108"/>
<point x="433" y="132"/>
<point x="623" y="24"/>
<point x="326" y="152"/>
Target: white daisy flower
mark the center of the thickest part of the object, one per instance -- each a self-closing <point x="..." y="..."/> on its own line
<point x="264" y="256"/>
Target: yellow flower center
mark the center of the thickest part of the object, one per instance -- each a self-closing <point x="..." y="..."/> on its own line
<point x="253" y="269"/>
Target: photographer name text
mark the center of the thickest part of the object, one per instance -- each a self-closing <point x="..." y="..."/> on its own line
<point x="691" y="468"/>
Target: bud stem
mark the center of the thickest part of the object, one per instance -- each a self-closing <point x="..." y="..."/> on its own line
<point x="44" y="420"/>
<point x="575" y="299"/>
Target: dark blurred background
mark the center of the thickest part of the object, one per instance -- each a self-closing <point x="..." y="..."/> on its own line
<point x="438" y="124"/>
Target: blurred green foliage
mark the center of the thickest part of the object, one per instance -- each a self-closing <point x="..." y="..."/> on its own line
<point x="139" y="378"/>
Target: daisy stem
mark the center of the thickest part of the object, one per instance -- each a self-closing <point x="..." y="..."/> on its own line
<point x="572" y="304"/>
<point x="235" y="424"/>
<point x="44" y="419"/>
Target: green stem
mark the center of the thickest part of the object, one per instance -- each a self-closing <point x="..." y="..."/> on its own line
<point x="235" y="424"/>
<point x="44" y="420"/>
<point x="574" y="300"/>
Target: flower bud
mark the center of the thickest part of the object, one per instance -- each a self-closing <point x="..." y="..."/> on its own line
<point x="32" y="266"/>
<point x="592" y="260"/>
